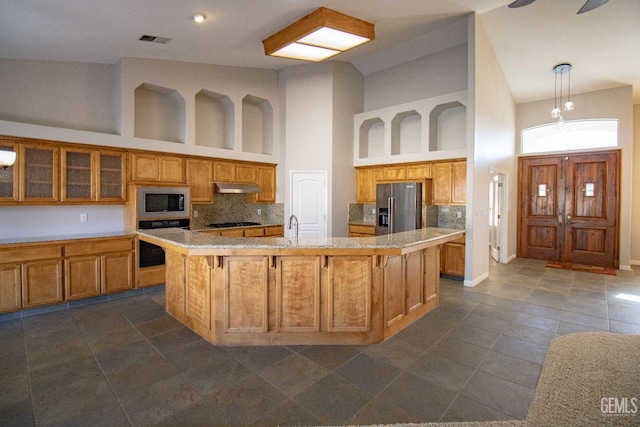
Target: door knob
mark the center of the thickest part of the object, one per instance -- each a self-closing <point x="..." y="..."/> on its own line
<point x="568" y="219"/>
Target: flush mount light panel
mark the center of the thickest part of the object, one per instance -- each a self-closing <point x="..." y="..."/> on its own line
<point x="318" y="36"/>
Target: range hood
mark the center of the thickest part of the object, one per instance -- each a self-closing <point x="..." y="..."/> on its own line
<point x="235" y="188"/>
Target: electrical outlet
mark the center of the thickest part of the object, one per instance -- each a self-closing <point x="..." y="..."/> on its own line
<point x="373" y="211"/>
<point x="195" y="214"/>
<point x="83" y="217"/>
<point x="259" y="211"/>
<point x="459" y="214"/>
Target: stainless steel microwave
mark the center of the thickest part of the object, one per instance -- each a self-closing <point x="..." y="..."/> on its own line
<point x="164" y="202"/>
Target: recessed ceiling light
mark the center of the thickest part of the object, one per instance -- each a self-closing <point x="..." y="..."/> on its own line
<point x="200" y="17"/>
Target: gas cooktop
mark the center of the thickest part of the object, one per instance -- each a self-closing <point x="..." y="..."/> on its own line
<point x="233" y="224"/>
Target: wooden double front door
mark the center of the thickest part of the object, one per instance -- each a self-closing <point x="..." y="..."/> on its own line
<point x="568" y="208"/>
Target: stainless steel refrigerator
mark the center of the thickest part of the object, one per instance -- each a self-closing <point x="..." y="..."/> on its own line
<point x="399" y="207"/>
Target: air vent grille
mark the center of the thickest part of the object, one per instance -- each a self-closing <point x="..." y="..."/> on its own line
<point x="154" y="39"/>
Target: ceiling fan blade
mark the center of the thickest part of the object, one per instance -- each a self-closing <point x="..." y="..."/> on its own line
<point x="520" y="3"/>
<point x="590" y="5"/>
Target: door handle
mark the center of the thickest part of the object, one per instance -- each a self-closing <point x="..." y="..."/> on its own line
<point x="568" y="219"/>
<point x="392" y="219"/>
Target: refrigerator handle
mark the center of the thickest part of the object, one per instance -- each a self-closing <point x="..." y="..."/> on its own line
<point x="391" y="204"/>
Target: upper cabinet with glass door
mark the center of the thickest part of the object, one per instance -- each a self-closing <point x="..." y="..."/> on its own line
<point x="46" y="172"/>
<point x="9" y="176"/>
<point x="39" y="173"/>
<point x="92" y="176"/>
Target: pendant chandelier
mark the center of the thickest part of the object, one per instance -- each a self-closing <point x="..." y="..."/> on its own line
<point x="556" y="113"/>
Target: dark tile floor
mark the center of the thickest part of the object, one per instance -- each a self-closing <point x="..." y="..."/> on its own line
<point x="477" y="356"/>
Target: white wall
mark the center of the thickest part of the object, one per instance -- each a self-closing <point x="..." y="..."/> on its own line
<point x="436" y="74"/>
<point x="44" y="221"/>
<point x="491" y="145"/>
<point x="69" y="95"/>
<point x="308" y="96"/>
<point x="321" y="100"/>
<point x="348" y="96"/>
<point x="614" y="103"/>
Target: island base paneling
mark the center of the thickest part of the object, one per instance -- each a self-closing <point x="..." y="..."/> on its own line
<point x="300" y="299"/>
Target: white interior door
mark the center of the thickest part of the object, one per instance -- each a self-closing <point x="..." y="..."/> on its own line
<point x="309" y="203"/>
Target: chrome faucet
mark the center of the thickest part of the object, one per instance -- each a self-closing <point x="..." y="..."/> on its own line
<point x="291" y="218"/>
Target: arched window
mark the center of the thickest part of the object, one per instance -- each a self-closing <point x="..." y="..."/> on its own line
<point x="576" y="135"/>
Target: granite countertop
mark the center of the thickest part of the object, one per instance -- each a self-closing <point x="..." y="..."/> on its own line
<point x="41" y="239"/>
<point x="194" y="240"/>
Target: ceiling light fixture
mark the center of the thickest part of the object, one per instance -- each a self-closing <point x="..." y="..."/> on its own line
<point x="318" y="36"/>
<point x="200" y="17"/>
<point x="7" y="158"/>
<point x="556" y="113"/>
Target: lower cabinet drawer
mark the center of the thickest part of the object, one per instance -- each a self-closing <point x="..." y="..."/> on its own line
<point x="254" y="232"/>
<point x="85" y="248"/>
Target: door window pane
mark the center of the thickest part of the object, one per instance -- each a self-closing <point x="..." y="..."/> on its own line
<point x="576" y="135"/>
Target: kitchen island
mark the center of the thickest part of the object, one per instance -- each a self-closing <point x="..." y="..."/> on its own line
<point x="284" y="291"/>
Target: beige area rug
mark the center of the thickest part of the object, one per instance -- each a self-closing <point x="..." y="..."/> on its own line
<point x="588" y="379"/>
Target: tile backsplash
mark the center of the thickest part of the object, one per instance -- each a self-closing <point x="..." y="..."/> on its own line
<point x="434" y="216"/>
<point x="361" y="213"/>
<point x="448" y="217"/>
<point x="236" y="208"/>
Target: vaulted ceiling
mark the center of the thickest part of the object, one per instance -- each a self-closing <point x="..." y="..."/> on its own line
<point x="602" y="45"/>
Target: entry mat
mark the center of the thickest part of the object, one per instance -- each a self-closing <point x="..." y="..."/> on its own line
<point x="581" y="267"/>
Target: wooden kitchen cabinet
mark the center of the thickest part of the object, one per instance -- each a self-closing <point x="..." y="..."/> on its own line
<point x="111" y="176"/>
<point x="10" y="287"/>
<point x="39" y="173"/>
<point x="9" y="177"/>
<point x="200" y="180"/>
<point x="117" y="271"/>
<point x="358" y="230"/>
<point x="274" y="231"/>
<point x="37" y="274"/>
<point x="366" y="180"/>
<point x="254" y="232"/>
<point x="395" y="173"/>
<point x="151" y="167"/>
<point x="224" y="171"/>
<point x="50" y="173"/>
<point x="266" y="180"/>
<point x="82" y="277"/>
<point x="267" y="231"/>
<point x="452" y="258"/>
<point x="262" y="175"/>
<point x="99" y="266"/>
<point x="419" y="171"/>
<point x="235" y="232"/>
<point x="92" y="176"/>
<point x="37" y="269"/>
<point x="78" y="168"/>
<point x="42" y="283"/>
<point x="246" y="173"/>
<point x="450" y="183"/>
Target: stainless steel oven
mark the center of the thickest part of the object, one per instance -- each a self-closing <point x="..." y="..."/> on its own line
<point x="149" y="254"/>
